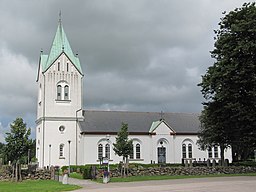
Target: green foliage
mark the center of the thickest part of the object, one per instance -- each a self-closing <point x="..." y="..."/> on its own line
<point x="17" y="142"/>
<point x="86" y="174"/>
<point x="123" y="146"/>
<point x="229" y="86"/>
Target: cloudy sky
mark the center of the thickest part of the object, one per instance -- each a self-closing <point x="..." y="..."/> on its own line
<point x="141" y="55"/>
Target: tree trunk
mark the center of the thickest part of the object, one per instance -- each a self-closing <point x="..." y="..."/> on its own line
<point x="123" y="166"/>
<point x="222" y="148"/>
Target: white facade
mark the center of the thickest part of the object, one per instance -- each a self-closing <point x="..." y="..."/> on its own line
<point x="60" y="140"/>
<point x="149" y="145"/>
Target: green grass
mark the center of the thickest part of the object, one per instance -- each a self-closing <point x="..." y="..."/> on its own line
<point x="165" y="177"/>
<point x="76" y="175"/>
<point x="36" y="186"/>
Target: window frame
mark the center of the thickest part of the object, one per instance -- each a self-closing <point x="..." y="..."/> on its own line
<point x="61" y="151"/>
<point x="138" y="151"/>
<point x="100" y="151"/>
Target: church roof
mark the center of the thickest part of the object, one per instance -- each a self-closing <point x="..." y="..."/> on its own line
<point x="60" y="45"/>
<point x="138" y="122"/>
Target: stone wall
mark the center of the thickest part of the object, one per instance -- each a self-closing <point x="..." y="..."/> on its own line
<point x="27" y="174"/>
<point x="183" y="171"/>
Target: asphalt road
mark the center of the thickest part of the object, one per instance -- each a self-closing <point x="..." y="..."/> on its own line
<point x="214" y="184"/>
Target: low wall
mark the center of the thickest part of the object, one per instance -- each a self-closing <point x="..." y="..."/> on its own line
<point x="27" y="174"/>
<point x="184" y="171"/>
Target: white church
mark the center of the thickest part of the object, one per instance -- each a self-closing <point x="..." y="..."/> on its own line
<point x="68" y="134"/>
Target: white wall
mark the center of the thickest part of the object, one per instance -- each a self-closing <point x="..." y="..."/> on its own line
<point x="149" y="144"/>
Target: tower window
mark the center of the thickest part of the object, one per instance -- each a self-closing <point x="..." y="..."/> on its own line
<point x="66" y="90"/>
<point x="58" y="66"/>
<point x="59" y="92"/>
<point x="67" y="67"/>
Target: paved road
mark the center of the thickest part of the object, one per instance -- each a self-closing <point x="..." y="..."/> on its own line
<point x="217" y="184"/>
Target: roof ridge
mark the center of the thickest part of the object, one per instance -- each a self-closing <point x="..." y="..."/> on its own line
<point x="124" y="111"/>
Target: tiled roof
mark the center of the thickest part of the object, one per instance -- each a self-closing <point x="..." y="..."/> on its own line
<point x="140" y="122"/>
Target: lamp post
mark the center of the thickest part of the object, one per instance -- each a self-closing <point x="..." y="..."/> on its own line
<point x="69" y="156"/>
<point x="50" y="155"/>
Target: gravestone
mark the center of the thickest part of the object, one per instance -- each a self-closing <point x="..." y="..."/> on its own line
<point x="226" y="163"/>
<point x="190" y="163"/>
<point x="214" y="163"/>
<point x="52" y="170"/>
<point x="186" y="163"/>
<point x="208" y="162"/>
<point x="65" y="179"/>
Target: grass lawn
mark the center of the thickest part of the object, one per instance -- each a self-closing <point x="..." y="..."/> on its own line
<point x="76" y="175"/>
<point x="165" y="177"/>
<point x="40" y="185"/>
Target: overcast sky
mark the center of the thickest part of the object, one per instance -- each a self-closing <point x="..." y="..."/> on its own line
<point x="140" y="55"/>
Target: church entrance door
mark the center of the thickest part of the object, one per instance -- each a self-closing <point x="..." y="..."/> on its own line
<point x="161" y="153"/>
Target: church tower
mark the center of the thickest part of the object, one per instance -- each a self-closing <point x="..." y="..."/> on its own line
<point x="59" y="106"/>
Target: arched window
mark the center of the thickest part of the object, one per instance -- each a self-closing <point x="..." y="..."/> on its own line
<point x="100" y="151"/>
<point x="66" y="91"/>
<point x="58" y="66"/>
<point x="107" y="151"/>
<point x="189" y="150"/>
<point x="59" y="92"/>
<point x="67" y="67"/>
<point x="61" y="152"/>
<point x="131" y="154"/>
<point x="137" y="151"/>
<point x="209" y="152"/>
<point x="216" y="152"/>
<point x="184" y="151"/>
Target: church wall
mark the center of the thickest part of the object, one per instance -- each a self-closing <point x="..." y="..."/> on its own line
<point x="149" y="145"/>
<point x="55" y="138"/>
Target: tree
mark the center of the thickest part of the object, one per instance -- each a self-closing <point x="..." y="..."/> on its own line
<point x="123" y="146"/>
<point x="229" y="86"/>
<point x="17" y="142"/>
<point x="2" y="152"/>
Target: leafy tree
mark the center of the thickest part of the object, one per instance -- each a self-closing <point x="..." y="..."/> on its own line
<point x="17" y="142"/>
<point x="229" y="86"/>
<point x="2" y="151"/>
<point x="123" y="146"/>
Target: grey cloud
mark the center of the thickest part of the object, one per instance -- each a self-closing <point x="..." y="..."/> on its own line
<point x="142" y="55"/>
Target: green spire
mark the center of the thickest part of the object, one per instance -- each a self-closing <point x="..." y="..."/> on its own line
<point x="60" y="44"/>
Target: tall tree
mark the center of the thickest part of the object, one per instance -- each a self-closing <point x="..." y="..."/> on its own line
<point x="17" y="142"/>
<point x="229" y="86"/>
<point x="123" y="146"/>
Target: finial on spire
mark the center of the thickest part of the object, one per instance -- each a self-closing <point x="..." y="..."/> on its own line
<point x="60" y="17"/>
